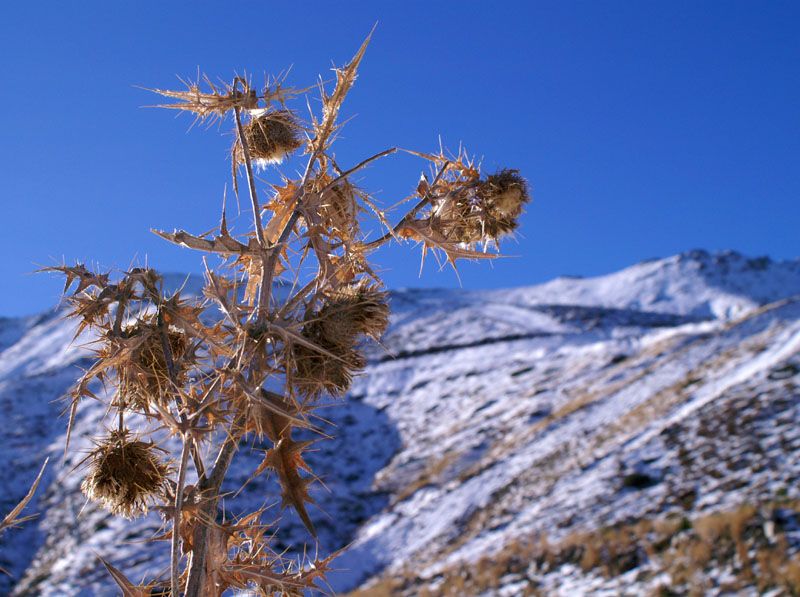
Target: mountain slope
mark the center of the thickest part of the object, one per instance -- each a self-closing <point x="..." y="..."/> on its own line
<point x="488" y="420"/>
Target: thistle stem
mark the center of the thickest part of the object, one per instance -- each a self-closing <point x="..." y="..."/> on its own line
<point x="357" y="167"/>
<point x="175" y="554"/>
<point x="209" y="487"/>
<point x="264" y="294"/>
<point x="414" y="210"/>
<point x="250" y="183"/>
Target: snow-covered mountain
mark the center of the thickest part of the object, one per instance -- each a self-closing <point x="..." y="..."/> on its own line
<point x="635" y="433"/>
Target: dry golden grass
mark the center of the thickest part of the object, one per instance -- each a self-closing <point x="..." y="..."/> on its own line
<point x="431" y="474"/>
<point x="685" y="550"/>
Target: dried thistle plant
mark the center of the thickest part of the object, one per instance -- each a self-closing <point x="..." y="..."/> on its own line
<point x="205" y="370"/>
<point x="347" y="315"/>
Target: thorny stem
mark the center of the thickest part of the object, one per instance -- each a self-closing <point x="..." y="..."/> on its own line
<point x="357" y="167"/>
<point x="13" y="518"/>
<point x="424" y="201"/>
<point x="287" y="229"/>
<point x="263" y="301"/>
<point x="268" y="273"/>
<point x="391" y="234"/>
<point x="269" y="266"/>
<point x="264" y="295"/>
<point x="198" y="461"/>
<point x="165" y="346"/>
<point x="175" y="554"/>
<point x="210" y="486"/>
<point x="298" y="296"/>
<point x="250" y="181"/>
<point x="210" y="491"/>
<point x="118" y="320"/>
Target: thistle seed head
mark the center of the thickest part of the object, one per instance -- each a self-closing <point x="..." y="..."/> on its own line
<point x="317" y="373"/>
<point x="124" y="475"/>
<point x="504" y="194"/>
<point x="355" y="310"/>
<point x="144" y="378"/>
<point x="482" y="210"/>
<point x="270" y="137"/>
<point x="338" y="207"/>
<point x="348" y="314"/>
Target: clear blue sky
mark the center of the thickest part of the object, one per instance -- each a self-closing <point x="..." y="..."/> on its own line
<point x="645" y="128"/>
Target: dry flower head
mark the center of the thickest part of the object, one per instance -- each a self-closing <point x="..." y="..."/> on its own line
<point x="125" y="474"/>
<point x="144" y="379"/>
<point x="270" y="137"/>
<point x="328" y="365"/>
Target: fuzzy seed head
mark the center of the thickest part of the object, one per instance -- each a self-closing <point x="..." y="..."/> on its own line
<point x="124" y="475"/>
<point x="339" y="209"/>
<point x="349" y="314"/>
<point x="318" y="373"/>
<point x="144" y="378"/>
<point x="352" y="311"/>
<point x="505" y="193"/>
<point x="270" y="137"/>
<point x="483" y="210"/>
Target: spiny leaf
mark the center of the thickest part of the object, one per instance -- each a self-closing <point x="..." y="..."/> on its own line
<point x="127" y="587"/>
<point x="345" y="77"/>
<point x="12" y="518"/>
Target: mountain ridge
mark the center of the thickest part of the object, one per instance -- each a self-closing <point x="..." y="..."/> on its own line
<point x="486" y="416"/>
